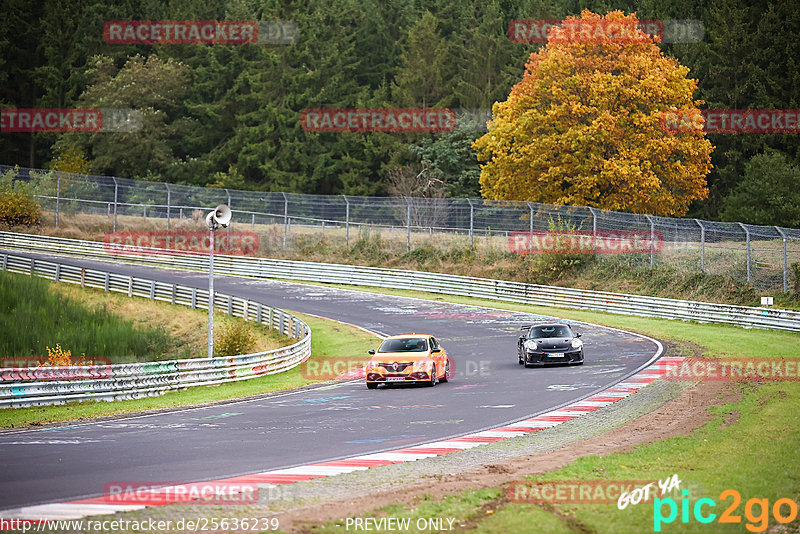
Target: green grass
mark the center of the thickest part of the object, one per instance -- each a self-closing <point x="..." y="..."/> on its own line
<point x="756" y="454"/>
<point x="34" y="317"/>
<point x="330" y="339"/>
<point x="180" y="330"/>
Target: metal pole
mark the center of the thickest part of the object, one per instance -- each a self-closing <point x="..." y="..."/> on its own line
<point x="747" y="233"/>
<point x="58" y="194"/>
<point x="785" y="266"/>
<point x="228" y="228"/>
<point x="285" y="218"/>
<point x="169" y="194"/>
<point x="211" y="295"/>
<point x="530" y="228"/>
<point x="652" y="238"/>
<point x="346" y="221"/>
<point x="594" y="230"/>
<point x="702" y="246"/>
<point x="116" y="191"/>
<point x="471" y="224"/>
<point x="408" y="224"/>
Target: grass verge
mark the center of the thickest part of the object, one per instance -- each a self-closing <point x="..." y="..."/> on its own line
<point x="107" y="326"/>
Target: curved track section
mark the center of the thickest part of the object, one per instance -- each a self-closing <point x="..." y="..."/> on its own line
<point x="321" y="424"/>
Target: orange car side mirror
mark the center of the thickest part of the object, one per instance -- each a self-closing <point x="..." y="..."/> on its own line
<point x="372" y="351"/>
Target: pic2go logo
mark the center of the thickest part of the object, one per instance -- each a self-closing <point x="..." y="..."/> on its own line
<point x="702" y="513"/>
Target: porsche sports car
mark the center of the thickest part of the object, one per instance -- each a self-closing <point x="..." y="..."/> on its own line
<point x="406" y="359"/>
<point x="549" y="344"/>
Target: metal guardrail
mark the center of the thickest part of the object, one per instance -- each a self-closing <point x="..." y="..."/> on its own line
<point x="743" y="316"/>
<point x="24" y="386"/>
<point x="761" y="255"/>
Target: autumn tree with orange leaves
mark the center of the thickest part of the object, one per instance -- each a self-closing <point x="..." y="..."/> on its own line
<point x="584" y="126"/>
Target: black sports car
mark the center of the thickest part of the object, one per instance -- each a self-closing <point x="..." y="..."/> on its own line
<point x="549" y="344"/>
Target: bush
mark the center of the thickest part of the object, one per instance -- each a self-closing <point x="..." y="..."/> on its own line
<point x="796" y="278"/>
<point x="18" y="209"/>
<point x="58" y="357"/>
<point x="233" y="338"/>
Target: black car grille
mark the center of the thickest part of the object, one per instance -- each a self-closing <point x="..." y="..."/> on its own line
<point x="562" y="357"/>
<point x="391" y="366"/>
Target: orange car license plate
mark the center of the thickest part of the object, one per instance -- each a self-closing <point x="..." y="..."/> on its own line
<point x="395" y="379"/>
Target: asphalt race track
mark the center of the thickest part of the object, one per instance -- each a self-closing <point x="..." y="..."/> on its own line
<point x="325" y="423"/>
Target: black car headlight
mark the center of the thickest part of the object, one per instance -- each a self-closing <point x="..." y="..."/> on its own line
<point x="530" y="345"/>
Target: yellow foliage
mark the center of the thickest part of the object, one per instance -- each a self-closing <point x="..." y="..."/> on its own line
<point x="583" y="127"/>
<point x="58" y="357"/>
<point x="18" y="209"/>
<point x="72" y="160"/>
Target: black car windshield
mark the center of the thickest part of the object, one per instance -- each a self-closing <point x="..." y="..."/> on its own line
<point x="412" y="344"/>
<point x="538" y="332"/>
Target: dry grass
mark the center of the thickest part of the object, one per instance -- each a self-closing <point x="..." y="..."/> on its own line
<point x="186" y="326"/>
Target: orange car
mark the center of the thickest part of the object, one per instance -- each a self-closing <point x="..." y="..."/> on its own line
<point x="408" y="358"/>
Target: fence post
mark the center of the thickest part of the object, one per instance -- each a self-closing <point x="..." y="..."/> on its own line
<point x="471" y="224"/>
<point x="652" y="238"/>
<point x="58" y="194"/>
<point x="530" y="228"/>
<point x="116" y="191"/>
<point x="785" y="265"/>
<point x="5" y="261"/>
<point x="702" y="246"/>
<point x="594" y="231"/>
<point x="228" y="228"/>
<point x="169" y="195"/>
<point x="408" y="224"/>
<point x="346" y="222"/>
<point x="747" y="233"/>
<point x="285" y="218"/>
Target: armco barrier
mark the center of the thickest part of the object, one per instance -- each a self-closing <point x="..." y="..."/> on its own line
<point x="21" y="387"/>
<point x="743" y="316"/>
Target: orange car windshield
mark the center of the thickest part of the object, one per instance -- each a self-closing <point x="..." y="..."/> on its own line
<point x="404" y="345"/>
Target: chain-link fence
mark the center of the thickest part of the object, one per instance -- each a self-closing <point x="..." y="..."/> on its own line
<point x="760" y="255"/>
